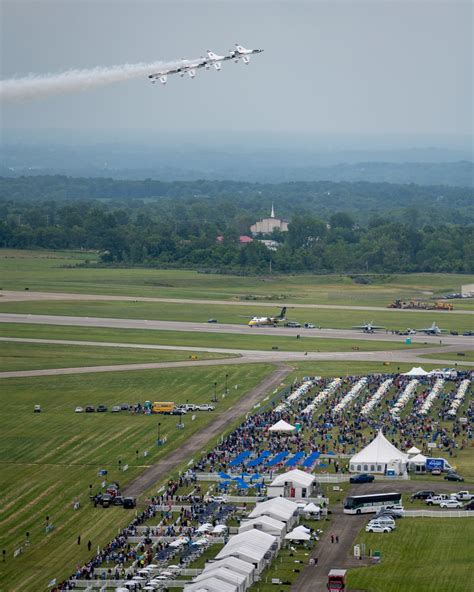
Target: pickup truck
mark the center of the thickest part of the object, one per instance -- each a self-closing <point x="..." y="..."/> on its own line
<point x="437" y="499"/>
<point x="464" y="496"/>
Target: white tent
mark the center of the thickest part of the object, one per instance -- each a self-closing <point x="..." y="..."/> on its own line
<point x="236" y="565"/>
<point x="378" y="457"/>
<point x="265" y="524"/>
<point x="413" y="450"/>
<point x="226" y="575"/>
<point x="211" y="585"/>
<point x="252" y="546"/>
<point x="282" y="426"/>
<point x="312" y="509"/>
<point x="298" y="535"/>
<point x="419" y="459"/>
<point x="416" y="371"/>
<point x="278" y="508"/>
<point x="296" y="477"/>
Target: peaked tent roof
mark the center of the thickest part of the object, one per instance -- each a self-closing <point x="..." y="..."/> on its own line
<point x="295" y="476"/>
<point x="272" y="523"/>
<point x="419" y="459"/>
<point x="282" y="426"/>
<point x="416" y="371"/>
<point x="414" y="450"/>
<point x="298" y="535"/>
<point x="380" y="450"/>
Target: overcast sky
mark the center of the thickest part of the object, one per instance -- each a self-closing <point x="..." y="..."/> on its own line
<point x="337" y="67"/>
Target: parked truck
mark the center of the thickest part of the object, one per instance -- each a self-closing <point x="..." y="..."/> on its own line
<point x="336" y="580"/>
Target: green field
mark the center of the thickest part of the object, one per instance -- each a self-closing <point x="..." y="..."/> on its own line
<point x="421" y="555"/>
<point x="200" y="313"/>
<point x="252" y="341"/>
<point x="32" y="356"/>
<point x="54" y="271"/>
<point x="467" y="357"/>
<point x="48" y="460"/>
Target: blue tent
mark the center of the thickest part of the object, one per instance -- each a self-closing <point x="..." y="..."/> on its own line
<point x="238" y="460"/>
<point x="277" y="459"/>
<point x="311" y="459"/>
<point x="224" y="475"/>
<point x="294" y="460"/>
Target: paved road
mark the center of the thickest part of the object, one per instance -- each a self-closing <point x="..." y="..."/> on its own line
<point x="18" y="296"/>
<point x="161" y="470"/>
<point x="77" y="321"/>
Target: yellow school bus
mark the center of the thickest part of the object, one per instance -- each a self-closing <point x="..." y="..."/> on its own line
<point x="162" y="407"/>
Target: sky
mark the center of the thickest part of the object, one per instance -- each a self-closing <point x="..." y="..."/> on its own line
<point x="329" y="67"/>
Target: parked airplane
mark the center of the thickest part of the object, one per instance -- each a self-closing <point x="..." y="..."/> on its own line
<point x="212" y="59"/>
<point x="433" y="330"/>
<point x="257" y="321"/>
<point x="368" y="327"/>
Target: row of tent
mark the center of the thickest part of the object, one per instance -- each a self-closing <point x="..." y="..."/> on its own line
<point x="299" y="458"/>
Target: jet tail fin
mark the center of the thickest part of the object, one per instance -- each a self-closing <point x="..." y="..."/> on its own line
<point x="282" y="313"/>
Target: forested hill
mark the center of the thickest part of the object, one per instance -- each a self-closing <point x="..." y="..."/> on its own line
<point x="434" y="204"/>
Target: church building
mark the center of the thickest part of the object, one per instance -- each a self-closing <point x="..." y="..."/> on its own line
<point x="268" y="225"/>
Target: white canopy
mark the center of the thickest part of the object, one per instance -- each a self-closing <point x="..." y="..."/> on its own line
<point x="282" y="426"/>
<point x="379" y="451"/>
<point x="265" y="524"/>
<point x="416" y="371"/>
<point x="419" y="459"/>
<point x="211" y="584"/>
<point x="413" y="450"/>
<point x="312" y="508"/>
<point x="279" y="508"/>
<point x="298" y="535"/>
<point x="296" y="477"/>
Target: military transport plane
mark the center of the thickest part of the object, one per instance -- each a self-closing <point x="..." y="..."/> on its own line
<point x="190" y="66"/>
<point x="433" y="330"/>
<point x="257" y="321"/>
<point x="368" y="327"/>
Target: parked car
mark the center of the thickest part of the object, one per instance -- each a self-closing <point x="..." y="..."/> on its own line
<point x="106" y="500"/>
<point x="79" y="410"/>
<point x="124" y="406"/>
<point x="377" y="528"/>
<point x="292" y="325"/>
<point x="422" y="495"/>
<point x="468" y="333"/>
<point x="469" y="505"/>
<point x="450" y="503"/>
<point x="178" y="411"/>
<point x="383" y="521"/>
<point x="453" y="477"/>
<point x="436" y="471"/>
<point x="89" y="409"/>
<point x="37" y="409"/>
<point x="189" y="406"/>
<point x="118" y="500"/>
<point x="220" y="499"/>
<point x="129" y="502"/>
<point x="393" y="514"/>
<point x="453" y="333"/>
<point x="362" y="478"/>
<point x="101" y="409"/>
<point x="309" y="326"/>
<point x="116" y="409"/>
<point x="395" y="510"/>
<point x="212" y="320"/>
<point x="205" y="407"/>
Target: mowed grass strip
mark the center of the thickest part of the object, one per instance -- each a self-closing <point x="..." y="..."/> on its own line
<point x="54" y="271"/>
<point x="49" y="460"/>
<point x="252" y="341"/>
<point x="420" y="555"/>
<point x="34" y="356"/>
<point x="200" y="313"/>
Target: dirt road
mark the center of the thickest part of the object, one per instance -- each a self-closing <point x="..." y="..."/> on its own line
<point x="161" y="471"/>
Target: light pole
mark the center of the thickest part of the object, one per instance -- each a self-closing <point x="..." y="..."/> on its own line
<point x="226" y="389"/>
<point x="215" y="392"/>
<point x="159" y="433"/>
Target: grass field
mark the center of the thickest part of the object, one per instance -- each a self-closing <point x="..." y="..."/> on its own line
<point x="48" y="460"/>
<point x="32" y="356"/>
<point x="46" y="270"/>
<point x="421" y="555"/>
<point x="200" y="313"/>
<point x="467" y="357"/>
<point x="252" y="341"/>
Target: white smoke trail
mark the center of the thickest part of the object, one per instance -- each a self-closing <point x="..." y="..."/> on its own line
<point x="36" y="86"/>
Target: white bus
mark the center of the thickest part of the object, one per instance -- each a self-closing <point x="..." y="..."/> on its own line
<point x="364" y="504"/>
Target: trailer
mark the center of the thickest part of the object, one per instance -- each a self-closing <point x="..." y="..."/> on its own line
<point x="336" y="580"/>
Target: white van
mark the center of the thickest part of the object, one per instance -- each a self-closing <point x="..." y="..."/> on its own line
<point x="383" y="522"/>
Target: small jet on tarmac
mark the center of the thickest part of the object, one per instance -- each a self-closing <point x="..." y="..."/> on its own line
<point x="433" y="330"/>
<point x="368" y="327"/>
<point x="257" y="321"/>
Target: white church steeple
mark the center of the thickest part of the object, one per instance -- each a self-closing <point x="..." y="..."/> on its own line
<point x="272" y="215"/>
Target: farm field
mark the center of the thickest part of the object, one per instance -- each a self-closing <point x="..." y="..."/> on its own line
<point x="252" y="341"/>
<point x="49" y="460"/>
<point x="54" y="271"/>
<point x="421" y="555"/>
<point x="32" y="356"/>
<point x="200" y="313"/>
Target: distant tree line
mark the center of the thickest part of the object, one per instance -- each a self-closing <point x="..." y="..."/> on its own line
<point x="384" y="228"/>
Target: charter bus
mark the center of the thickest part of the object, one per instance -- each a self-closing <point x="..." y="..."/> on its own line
<point x="364" y="504"/>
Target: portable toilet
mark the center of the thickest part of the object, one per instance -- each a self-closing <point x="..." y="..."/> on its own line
<point x="408" y="340"/>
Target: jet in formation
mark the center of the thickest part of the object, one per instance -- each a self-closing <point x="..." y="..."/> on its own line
<point x="368" y="327"/>
<point x="433" y="330"/>
<point x="190" y="67"/>
<point x="258" y="321"/>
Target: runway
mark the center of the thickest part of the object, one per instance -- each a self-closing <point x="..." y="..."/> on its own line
<point x="112" y="323"/>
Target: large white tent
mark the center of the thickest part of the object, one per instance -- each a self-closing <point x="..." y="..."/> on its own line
<point x="380" y="456"/>
<point x="282" y="426"/>
<point x="416" y="371"/>
<point x="265" y="524"/>
<point x="236" y="565"/>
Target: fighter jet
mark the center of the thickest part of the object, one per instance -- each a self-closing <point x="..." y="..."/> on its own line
<point x="433" y="330"/>
<point x="257" y="321"/>
<point x="240" y="53"/>
<point x="368" y="327"/>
